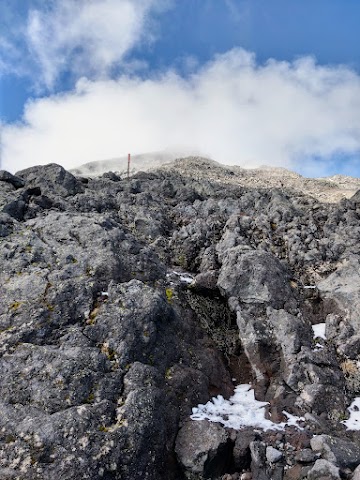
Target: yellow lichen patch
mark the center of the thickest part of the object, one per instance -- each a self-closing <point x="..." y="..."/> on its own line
<point x="92" y="316"/>
<point x="349" y="367"/>
<point x="109" y="352"/>
<point x="351" y="371"/>
<point x="15" y="306"/>
<point x="50" y="307"/>
<point x="169" y="294"/>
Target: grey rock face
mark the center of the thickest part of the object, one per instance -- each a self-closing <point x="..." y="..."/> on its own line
<point x="258" y="461"/>
<point x="51" y="179"/>
<point x="273" y="455"/>
<point x="341" y="452"/>
<point x="344" y="287"/>
<point x="241" y="452"/>
<point x="203" y="448"/>
<point x="306" y="456"/>
<point x="13" y="180"/>
<point x="356" y="474"/>
<point x="254" y="277"/>
<point x="323" y="469"/>
<point x="105" y="346"/>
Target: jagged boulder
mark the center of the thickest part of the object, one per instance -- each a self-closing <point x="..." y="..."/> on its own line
<point x="204" y="449"/>
<point x="341" y="452"/>
<point x="107" y="343"/>
<point x="51" y="179"/>
<point x="323" y="469"/>
<point x="255" y="278"/>
<point x="15" y="181"/>
<point x="343" y="286"/>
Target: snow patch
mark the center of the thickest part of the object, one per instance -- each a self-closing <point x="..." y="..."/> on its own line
<point x="183" y="277"/>
<point x="186" y="279"/>
<point x="353" y="422"/>
<point x="241" y="410"/>
<point x="319" y="330"/>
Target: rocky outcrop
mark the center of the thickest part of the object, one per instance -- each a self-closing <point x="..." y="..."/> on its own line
<point x="126" y="303"/>
<point x="204" y="449"/>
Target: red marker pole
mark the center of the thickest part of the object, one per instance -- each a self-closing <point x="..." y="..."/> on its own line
<point x="128" y="169"/>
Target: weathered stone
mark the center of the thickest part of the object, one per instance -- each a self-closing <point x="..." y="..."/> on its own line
<point x="356" y="473"/>
<point x="14" y="180"/>
<point x="255" y="277"/>
<point x="273" y="455"/>
<point x="305" y="456"/>
<point x="298" y="439"/>
<point x="258" y="460"/>
<point x="343" y="286"/>
<point x="356" y="197"/>
<point x="246" y="476"/>
<point x="51" y="179"/>
<point x="293" y="473"/>
<point x="350" y="348"/>
<point x="323" y="470"/>
<point x="104" y="351"/>
<point x="205" y="282"/>
<point x="241" y="452"/>
<point x="203" y="448"/>
<point x="339" y="451"/>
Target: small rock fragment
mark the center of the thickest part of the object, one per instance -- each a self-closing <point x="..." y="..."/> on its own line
<point x="305" y="456"/>
<point x="202" y="447"/>
<point x="323" y="469"/>
<point x="273" y="455"/>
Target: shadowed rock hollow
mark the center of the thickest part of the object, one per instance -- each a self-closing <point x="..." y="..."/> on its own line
<point x="125" y="303"/>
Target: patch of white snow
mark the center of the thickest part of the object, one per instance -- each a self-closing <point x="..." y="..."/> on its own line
<point x="186" y="279"/>
<point x="319" y="330"/>
<point x="183" y="277"/>
<point x="241" y="410"/>
<point x="353" y="422"/>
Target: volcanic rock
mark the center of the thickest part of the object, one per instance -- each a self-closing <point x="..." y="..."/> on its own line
<point x="124" y="303"/>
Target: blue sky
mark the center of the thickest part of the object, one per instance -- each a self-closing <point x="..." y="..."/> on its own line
<point x="249" y="82"/>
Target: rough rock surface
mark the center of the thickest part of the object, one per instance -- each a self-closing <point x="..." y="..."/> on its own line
<point x="323" y="469"/>
<point x="203" y="448"/>
<point x="330" y="189"/>
<point x="341" y="452"/>
<point x="126" y="302"/>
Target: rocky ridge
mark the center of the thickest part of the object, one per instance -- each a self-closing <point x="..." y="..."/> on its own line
<point x="329" y="189"/>
<point x="126" y="303"/>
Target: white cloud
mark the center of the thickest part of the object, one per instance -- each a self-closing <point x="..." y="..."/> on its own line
<point x="87" y="37"/>
<point x="10" y="58"/>
<point x="232" y="109"/>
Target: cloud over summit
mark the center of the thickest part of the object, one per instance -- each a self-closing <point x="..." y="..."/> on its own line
<point x="232" y="109"/>
<point x="104" y="100"/>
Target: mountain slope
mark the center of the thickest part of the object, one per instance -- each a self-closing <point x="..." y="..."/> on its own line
<point x="127" y="302"/>
<point x="331" y="189"/>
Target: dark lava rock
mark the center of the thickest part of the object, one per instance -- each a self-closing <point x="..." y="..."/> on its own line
<point x="204" y="449"/>
<point x="341" y="452"/>
<point x="51" y="179"/>
<point x="14" y="180"/>
<point x="323" y="470"/>
<point x="106" y="345"/>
